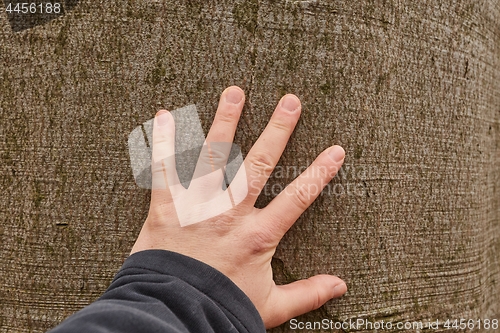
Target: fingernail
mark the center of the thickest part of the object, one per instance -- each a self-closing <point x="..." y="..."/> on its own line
<point x="339" y="290"/>
<point x="337" y="153"/>
<point x="234" y="96"/>
<point x="290" y="103"/>
<point x="162" y="117"/>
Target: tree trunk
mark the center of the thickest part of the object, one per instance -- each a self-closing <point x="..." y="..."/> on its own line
<point x="410" y="89"/>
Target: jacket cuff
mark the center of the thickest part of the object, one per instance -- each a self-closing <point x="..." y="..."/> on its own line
<point x="207" y="280"/>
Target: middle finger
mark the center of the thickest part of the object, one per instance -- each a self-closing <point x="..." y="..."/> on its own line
<point x="209" y="171"/>
<point x="266" y="152"/>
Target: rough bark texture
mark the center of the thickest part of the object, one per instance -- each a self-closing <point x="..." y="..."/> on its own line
<point x="411" y="90"/>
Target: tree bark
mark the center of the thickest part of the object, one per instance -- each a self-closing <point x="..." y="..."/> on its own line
<point x="410" y="89"/>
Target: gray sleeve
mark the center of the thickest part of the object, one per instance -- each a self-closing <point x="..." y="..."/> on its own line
<point x="163" y="291"/>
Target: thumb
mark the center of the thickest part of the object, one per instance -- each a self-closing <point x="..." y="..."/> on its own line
<point x="302" y="296"/>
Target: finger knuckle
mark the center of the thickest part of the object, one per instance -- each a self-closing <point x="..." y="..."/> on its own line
<point x="222" y="224"/>
<point x="218" y="154"/>
<point x="316" y="300"/>
<point x="160" y="214"/>
<point x="262" y="161"/>
<point x="281" y="125"/>
<point x="228" y="115"/>
<point x="213" y="156"/>
<point x="302" y="196"/>
<point x="261" y="240"/>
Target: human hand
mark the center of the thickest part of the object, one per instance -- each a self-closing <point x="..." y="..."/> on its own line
<point x="233" y="236"/>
